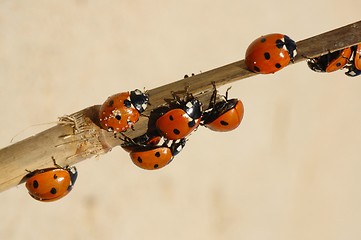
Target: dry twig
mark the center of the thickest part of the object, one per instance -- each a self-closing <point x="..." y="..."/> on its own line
<point x="77" y="137"/>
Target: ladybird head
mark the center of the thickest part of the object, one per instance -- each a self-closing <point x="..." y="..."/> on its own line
<point x="353" y="71"/>
<point x="177" y="146"/>
<point x="73" y="175"/>
<point x="315" y="65"/>
<point x="193" y="108"/>
<point x="290" y="46"/>
<point x="139" y="100"/>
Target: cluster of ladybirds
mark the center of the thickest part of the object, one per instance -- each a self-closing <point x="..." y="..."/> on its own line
<point x="170" y="125"/>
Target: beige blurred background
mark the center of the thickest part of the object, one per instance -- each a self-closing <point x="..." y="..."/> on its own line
<point x="291" y="170"/>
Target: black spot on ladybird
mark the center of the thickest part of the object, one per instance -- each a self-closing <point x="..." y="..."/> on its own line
<point x="277" y="65"/>
<point x="224" y="123"/>
<point x="176" y="131"/>
<point x="338" y="64"/>
<point x="267" y="56"/>
<point x="118" y="117"/>
<point x="263" y="40"/>
<point x="171" y="117"/>
<point x="156" y="165"/>
<point x="111" y="102"/>
<point x="53" y="191"/>
<point x="256" y="69"/>
<point x="157" y="154"/>
<point x="191" y="124"/>
<point x="35" y="184"/>
<point x="55" y="176"/>
<point x="127" y="103"/>
<point x="139" y="159"/>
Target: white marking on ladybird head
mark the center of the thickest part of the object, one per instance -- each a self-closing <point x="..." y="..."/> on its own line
<point x="144" y="106"/>
<point x="189" y="104"/>
<point x="138" y="92"/>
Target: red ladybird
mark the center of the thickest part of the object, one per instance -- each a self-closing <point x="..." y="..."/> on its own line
<point x="51" y="184"/>
<point x="224" y="115"/>
<point x="152" y="157"/>
<point x="179" y="119"/>
<point x="330" y="62"/>
<point x="354" y="68"/>
<point x="270" y="53"/>
<point x="120" y="111"/>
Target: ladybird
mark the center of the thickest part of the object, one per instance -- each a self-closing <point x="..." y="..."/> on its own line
<point x="224" y="115"/>
<point x="120" y="111"/>
<point x="330" y="62"/>
<point x="354" y="69"/>
<point x="152" y="157"/>
<point x="179" y="119"/>
<point x="51" y="184"/>
<point x="270" y="53"/>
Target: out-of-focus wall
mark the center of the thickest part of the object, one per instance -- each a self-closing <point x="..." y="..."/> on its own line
<point x="290" y="171"/>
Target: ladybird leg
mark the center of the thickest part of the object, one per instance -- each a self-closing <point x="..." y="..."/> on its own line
<point x="55" y="164"/>
<point x="125" y="138"/>
<point x="188" y="95"/>
<point x="129" y="140"/>
<point x="186" y="89"/>
<point x="175" y="96"/>
<point x="115" y="135"/>
<point x="144" y="115"/>
<point x="304" y="56"/>
<point x="122" y="137"/>
<point x="214" y="95"/>
<point x="227" y="92"/>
